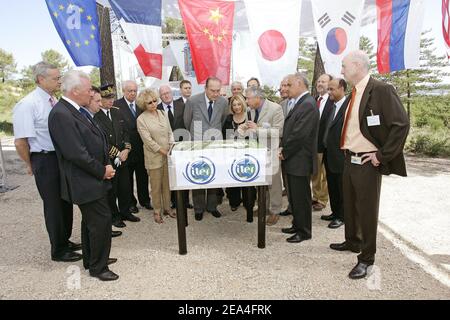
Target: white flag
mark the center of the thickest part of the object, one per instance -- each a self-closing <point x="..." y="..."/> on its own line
<point x="337" y="25"/>
<point x="275" y="30"/>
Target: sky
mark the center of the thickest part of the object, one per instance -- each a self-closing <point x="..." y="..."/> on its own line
<point x="27" y="30"/>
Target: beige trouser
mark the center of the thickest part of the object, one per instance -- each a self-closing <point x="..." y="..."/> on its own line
<point x="319" y="182"/>
<point x="275" y="197"/>
<point x="159" y="183"/>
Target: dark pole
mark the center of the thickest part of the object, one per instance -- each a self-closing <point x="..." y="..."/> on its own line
<point x="107" y="75"/>
<point x="319" y="69"/>
<point x="181" y="222"/>
<point x="262" y="210"/>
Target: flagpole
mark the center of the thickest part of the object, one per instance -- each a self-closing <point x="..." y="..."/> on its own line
<point x="107" y="74"/>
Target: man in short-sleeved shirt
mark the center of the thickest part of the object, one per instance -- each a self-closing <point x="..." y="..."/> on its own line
<point x="35" y="147"/>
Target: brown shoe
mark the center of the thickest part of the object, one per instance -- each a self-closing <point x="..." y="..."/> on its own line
<point x="272" y="219"/>
<point x="318" y="207"/>
<point x="170" y="213"/>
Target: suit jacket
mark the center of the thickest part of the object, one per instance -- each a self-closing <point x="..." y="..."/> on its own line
<point x="178" y="113"/>
<point x="299" y="140"/>
<point x="270" y="122"/>
<point x="335" y="157"/>
<point x="196" y="111"/>
<point x="137" y="150"/>
<point x="114" y="130"/>
<point x="284" y="106"/>
<point x="390" y="136"/>
<point x="82" y="153"/>
<point x="324" y="119"/>
<point x="156" y="133"/>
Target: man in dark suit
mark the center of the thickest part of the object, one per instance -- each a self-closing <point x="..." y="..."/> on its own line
<point x="298" y="153"/>
<point x="185" y="90"/>
<point x="175" y="113"/>
<point x="81" y="148"/>
<point x="373" y="136"/>
<point x="111" y="122"/>
<point x="130" y="112"/>
<point x="332" y="154"/>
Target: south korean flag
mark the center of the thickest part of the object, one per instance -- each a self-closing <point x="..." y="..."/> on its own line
<point x="337" y="25"/>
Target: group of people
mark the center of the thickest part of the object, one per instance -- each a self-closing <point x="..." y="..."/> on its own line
<point x="87" y="149"/>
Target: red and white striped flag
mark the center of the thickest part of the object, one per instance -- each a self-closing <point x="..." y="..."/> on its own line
<point x="446" y="24"/>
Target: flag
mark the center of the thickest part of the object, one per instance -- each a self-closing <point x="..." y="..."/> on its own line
<point x="446" y="24"/>
<point x="275" y="31"/>
<point x="209" y="28"/>
<point x="77" y="25"/>
<point x="141" y="23"/>
<point x="399" y="29"/>
<point x="337" y="25"/>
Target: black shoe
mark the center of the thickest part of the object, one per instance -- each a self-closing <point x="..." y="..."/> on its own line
<point x="115" y="233"/>
<point x="234" y="208"/>
<point x="296" y="238"/>
<point x="285" y="213"/>
<point x="73" y="246"/>
<point x="329" y="217"/>
<point x="68" y="256"/>
<point x="290" y="230"/>
<point x="119" y="224"/>
<point x="336" y="223"/>
<point x="172" y="205"/>
<point x="199" y="216"/>
<point x="112" y="260"/>
<point x="133" y="209"/>
<point x="359" y="271"/>
<point x="216" y="214"/>
<point x="131" y="218"/>
<point x="344" y="247"/>
<point x="189" y="206"/>
<point x="148" y="206"/>
<point x="106" y="276"/>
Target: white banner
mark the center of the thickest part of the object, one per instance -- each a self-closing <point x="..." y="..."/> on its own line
<point x="337" y="25"/>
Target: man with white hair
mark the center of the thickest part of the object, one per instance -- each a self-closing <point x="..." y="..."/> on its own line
<point x="237" y="88"/>
<point x="82" y="152"/>
<point x="373" y="136"/>
<point x="35" y="148"/>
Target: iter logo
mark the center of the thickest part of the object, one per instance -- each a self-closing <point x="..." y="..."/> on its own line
<point x="245" y="169"/>
<point x="200" y="171"/>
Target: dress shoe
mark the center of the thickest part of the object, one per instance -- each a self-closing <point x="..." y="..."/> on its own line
<point x="328" y="217"/>
<point x="74" y="246"/>
<point x="148" y="206"/>
<point x="130" y="217"/>
<point x="336" y="223"/>
<point x="318" y="207"/>
<point x="68" y="256"/>
<point x="172" y="205"/>
<point x="285" y="213"/>
<point x="115" y="233"/>
<point x="296" y="238"/>
<point x="344" y="247"/>
<point x="234" y="208"/>
<point x="199" y="216"/>
<point x="106" y="276"/>
<point x="290" y="230"/>
<point x="189" y="206"/>
<point x="284" y="193"/>
<point x="112" y="260"/>
<point x="314" y="202"/>
<point x="272" y="219"/>
<point x="133" y="209"/>
<point x="359" y="271"/>
<point x="119" y="224"/>
<point x="216" y="214"/>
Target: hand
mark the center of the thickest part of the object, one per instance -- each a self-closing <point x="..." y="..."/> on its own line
<point x="163" y="151"/>
<point x="252" y="125"/>
<point x="123" y="155"/>
<point x="29" y="170"/>
<point x="280" y="154"/>
<point x="109" y="172"/>
<point x="370" y="157"/>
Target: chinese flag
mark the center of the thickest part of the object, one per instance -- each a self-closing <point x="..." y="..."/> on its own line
<point x="209" y="27"/>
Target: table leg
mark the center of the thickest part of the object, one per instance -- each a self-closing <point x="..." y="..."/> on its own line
<point x="262" y="217"/>
<point x="181" y="223"/>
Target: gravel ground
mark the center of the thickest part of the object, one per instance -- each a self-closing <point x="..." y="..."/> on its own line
<point x="223" y="261"/>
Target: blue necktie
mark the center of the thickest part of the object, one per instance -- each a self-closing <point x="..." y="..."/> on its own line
<point x="210" y="110"/>
<point x="132" y="110"/>
<point x="255" y="120"/>
<point x="87" y="115"/>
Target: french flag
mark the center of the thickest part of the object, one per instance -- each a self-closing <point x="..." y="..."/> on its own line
<point x="399" y="29"/>
<point x="141" y="22"/>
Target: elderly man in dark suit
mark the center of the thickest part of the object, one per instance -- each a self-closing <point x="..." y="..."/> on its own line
<point x="206" y="112"/>
<point x="82" y="152"/>
<point x="298" y="153"/>
<point x="130" y="112"/>
<point x="373" y="136"/>
<point x="332" y="154"/>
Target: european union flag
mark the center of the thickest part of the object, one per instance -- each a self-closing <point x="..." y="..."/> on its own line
<point x="77" y="24"/>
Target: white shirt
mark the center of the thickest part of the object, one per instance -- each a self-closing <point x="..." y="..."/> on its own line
<point x="291" y="105"/>
<point x="172" y="107"/>
<point x="323" y="102"/>
<point x="73" y="103"/>
<point x="338" y="106"/>
<point x="207" y="102"/>
<point x="134" y="105"/>
<point x="105" y="111"/>
<point x="30" y="120"/>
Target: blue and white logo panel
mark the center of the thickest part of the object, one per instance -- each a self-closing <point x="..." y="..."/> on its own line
<point x="245" y="169"/>
<point x="201" y="171"/>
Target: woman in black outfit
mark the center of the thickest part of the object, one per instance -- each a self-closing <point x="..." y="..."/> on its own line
<point x="238" y="116"/>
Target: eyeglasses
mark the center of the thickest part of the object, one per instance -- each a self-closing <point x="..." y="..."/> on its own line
<point x="152" y="101"/>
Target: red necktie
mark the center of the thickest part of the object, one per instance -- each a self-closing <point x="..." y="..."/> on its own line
<point x="319" y="101"/>
<point x="350" y="107"/>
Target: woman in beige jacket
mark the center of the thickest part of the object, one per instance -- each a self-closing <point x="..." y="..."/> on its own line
<point x="154" y="128"/>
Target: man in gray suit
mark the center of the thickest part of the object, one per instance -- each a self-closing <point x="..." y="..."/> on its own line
<point x="298" y="153"/>
<point x="204" y="116"/>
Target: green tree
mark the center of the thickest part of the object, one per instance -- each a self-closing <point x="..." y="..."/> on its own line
<point x="307" y="53"/>
<point x="7" y="65"/>
<point x="173" y="26"/>
<point x="366" y="45"/>
<point x="57" y="59"/>
<point x="95" y="77"/>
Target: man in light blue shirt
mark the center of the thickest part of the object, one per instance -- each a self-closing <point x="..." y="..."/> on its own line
<point x="35" y="148"/>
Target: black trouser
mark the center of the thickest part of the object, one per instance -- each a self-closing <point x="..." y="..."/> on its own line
<point x="96" y="235"/>
<point x="300" y="191"/>
<point x="362" y="187"/>
<point x="58" y="214"/>
<point x="173" y="197"/>
<point x="241" y="194"/>
<point x="336" y="193"/>
<point x="138" y="167"/>
<point x="120" y="193"/>
<point x="204" y="199"/>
